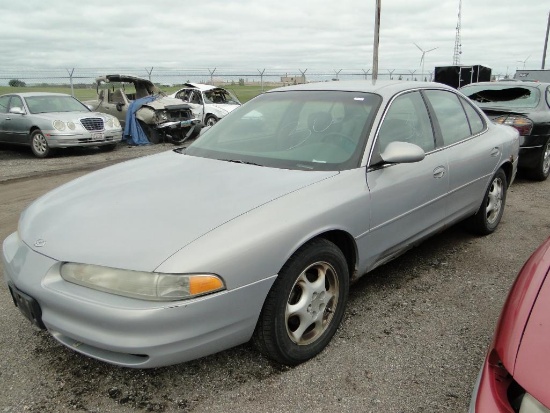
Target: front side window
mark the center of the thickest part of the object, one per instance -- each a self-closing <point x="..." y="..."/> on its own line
<point x="407" y="120"/>
<point x="450" y="116"/>
<point x="16" y="102"/>
<point x="310" y="130"/>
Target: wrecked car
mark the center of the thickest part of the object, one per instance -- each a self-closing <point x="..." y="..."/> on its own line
<point x="146" y="113"/>
<point x="208" y="103"/>
<point x="526" y="107"/>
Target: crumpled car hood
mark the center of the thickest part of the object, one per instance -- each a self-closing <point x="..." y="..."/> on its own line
<point x="162" y="102"/>
<point x="136" y="214"/>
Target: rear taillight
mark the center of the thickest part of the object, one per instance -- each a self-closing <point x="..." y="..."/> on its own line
<point x="521" y="123"/>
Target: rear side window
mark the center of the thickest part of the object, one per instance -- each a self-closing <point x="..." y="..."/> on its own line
<point x="476" y="122"/>
<point x="450" y="116"/>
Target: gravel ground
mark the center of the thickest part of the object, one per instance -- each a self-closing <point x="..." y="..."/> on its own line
<point x="412" y="340"/>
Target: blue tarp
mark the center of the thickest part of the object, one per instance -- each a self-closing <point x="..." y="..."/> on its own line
<point x="133" y="132"/>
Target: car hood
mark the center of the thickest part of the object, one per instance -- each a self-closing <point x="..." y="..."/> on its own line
<point x="51" y="116"/>
<point x="532" y="367"/>
<point x="136" y="214"/>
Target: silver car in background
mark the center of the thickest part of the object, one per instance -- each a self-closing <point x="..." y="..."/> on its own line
<point x="283" y="204"/>
<point x="46" y="121"/>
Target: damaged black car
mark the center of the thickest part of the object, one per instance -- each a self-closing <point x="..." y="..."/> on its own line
<point x="526" y="107"/>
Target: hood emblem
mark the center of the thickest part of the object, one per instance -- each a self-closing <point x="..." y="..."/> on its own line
<point x="39" y="243"/>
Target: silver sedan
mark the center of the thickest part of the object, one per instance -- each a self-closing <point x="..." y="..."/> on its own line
<point x="280" y="207"/>
<point x="46" y="121"/>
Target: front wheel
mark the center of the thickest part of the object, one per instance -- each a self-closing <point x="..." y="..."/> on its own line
<point x="305" y="305"/>
<point x="489" y="214"/>
<point x="39" y="144"/>
<point x="210" y="120"/>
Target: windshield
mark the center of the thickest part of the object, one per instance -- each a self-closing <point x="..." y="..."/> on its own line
<point x="310" y="130"/>
<point x="221" y="96"/>
<point x="53" y="103"/>
<point x="511" y="97"/>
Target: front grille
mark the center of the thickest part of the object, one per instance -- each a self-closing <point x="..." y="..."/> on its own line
<point x="178" y="112"/>
<point x="93" y="124"/>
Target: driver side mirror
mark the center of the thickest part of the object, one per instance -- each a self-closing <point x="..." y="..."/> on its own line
<point x="17" y="110"/>
<point x="119" y="106"/>
<point x="402" y="152"/>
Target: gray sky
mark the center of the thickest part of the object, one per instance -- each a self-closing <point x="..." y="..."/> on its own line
<point x="276" y="35"/>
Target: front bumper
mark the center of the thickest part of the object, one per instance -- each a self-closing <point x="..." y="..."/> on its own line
<point x="65" y="140"/>
<point x="178" y="124"/>
<point x="130" y="332"/>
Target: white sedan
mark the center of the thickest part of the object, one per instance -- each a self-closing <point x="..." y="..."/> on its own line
<point x="208" y="103"/>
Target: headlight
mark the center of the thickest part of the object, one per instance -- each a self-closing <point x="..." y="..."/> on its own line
<point x="116" y="123"/>
<point x="59" y="125"/>
<point x="142" y="285"/>
<point x="162" y="115"/>
<point x="109" y="122"/>
<point x="71" y="125"/>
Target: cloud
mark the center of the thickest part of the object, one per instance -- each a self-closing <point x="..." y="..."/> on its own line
<point x="255" y="34"/>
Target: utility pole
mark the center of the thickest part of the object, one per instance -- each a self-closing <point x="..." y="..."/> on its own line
<point x="376" y="41"/>
<point x="458" y="43"/>
<point x="545" y="42"/>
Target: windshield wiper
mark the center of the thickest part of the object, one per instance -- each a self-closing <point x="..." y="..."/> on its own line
<point x="240" y="161"/>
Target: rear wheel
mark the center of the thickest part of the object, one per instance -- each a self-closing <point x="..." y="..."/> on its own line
<point x="542" y="170"/>
<point x="305" y="305"/>
<point x="489" y="214"/>
<point x="39" y="144"/>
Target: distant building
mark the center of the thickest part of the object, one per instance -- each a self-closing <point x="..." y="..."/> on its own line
<point x="293" y="80"/>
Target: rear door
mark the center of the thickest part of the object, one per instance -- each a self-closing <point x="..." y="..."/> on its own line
<point x="15" y="129"/>
<point x="4" y="117"/>
<point x="472" y="151"/>
<point x="407" y="200"/>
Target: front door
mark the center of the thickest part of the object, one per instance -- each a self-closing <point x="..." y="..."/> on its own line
<point x="408" y="200"/>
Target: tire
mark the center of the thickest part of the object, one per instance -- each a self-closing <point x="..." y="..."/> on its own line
<point x="542" y="170"/>
<point x="281" y="332"/>
<point x="107" y="148"/>
<point x="152" y="134"/>
<point x="210" y="120"/>
<point x="39" y="144"/>
<point x="489" y="214"/>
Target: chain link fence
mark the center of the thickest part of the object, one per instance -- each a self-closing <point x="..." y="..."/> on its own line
<point x="85" y="77"/>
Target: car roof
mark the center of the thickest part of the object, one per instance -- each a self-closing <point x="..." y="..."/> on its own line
<point x="381" y="87"/>
<point x="201" y="86"/>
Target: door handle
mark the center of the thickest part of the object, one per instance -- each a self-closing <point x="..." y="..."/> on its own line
<point x="439" y="172"/>
<point x="495" y="151"/>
